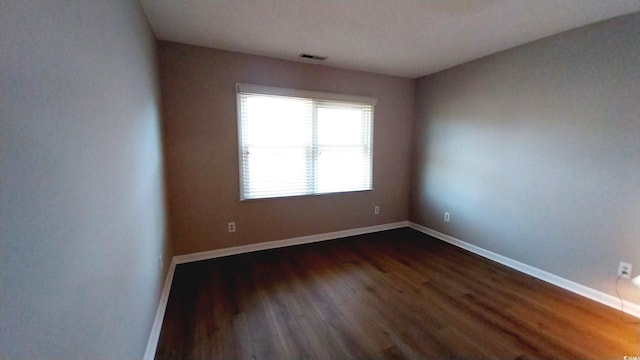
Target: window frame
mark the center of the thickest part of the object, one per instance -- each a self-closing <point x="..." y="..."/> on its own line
<point x="316" y="96"/>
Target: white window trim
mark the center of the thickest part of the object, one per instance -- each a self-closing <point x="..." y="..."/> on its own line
<point x="316" y="95"/>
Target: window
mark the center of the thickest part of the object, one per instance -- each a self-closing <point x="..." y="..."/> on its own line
<point x="294" y="142"/>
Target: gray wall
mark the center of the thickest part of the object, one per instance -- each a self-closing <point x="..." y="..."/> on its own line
<point x="535" y="151"/>
<point x="81" y="191"/>
<point x="201" y="148"/>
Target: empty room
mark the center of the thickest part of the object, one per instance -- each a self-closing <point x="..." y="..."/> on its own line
<point x="275" y="179"/>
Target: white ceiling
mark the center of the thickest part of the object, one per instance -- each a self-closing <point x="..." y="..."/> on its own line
<point x="409" y="38"/>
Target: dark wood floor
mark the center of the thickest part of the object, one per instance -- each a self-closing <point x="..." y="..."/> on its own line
<point x="392" y="295"/>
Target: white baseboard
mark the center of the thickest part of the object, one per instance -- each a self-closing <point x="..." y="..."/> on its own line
<point x="204" y="255"/>
<point x="590" y="293"/>
<point x="152" y="343"/>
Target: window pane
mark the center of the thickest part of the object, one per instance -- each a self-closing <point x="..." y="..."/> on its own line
<point x="271" y="172"/>
<point x="340" y="126"/>
<point x="343" y="169"/>
<point x="273" y="120"/>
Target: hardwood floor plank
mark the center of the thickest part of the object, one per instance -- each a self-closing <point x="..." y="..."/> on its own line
<point x="396" y="294"/>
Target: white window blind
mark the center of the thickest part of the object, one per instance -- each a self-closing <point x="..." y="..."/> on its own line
<point x="296" y="142"/>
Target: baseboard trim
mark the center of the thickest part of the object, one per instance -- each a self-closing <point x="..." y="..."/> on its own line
<point x="212" y="254"/>
<point x="152" y="343"/>
<point x="582" y="290"/>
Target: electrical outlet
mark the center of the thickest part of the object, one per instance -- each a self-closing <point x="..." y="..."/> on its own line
<point x="447" y="216"/>
<point x="231" y="227"/>
<point x="160" y="262"/>
<point x="376" y="210"/>
<point x="624" y="270"/>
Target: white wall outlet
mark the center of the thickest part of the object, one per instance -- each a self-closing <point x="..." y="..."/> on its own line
<point x="231" y="227"/>
<point x="624" y="270"/>
<point x="447" y="216"/>
<point x="376" y="209"/>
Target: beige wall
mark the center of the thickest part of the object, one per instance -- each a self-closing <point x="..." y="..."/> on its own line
<point x="81" y="195"/>
<point x="201" y="149"/>
<point x="535" y="152"/>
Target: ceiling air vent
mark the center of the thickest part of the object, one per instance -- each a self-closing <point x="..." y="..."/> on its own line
<point x="313" y="57"/>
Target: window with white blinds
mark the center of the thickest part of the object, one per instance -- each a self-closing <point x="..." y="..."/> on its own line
<point x="294" y="142"/>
